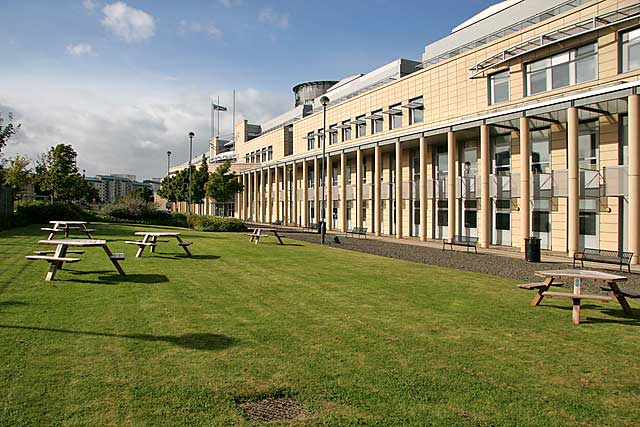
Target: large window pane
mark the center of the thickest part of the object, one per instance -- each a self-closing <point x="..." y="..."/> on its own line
<point x="586" y="63"/>
<point x="499" y="87"/>
<point x="631" y="50"/>
<point x="540" y="221"/>
<point x="588" y="221"/>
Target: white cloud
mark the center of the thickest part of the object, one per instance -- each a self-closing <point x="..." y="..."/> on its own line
<point x="128" y="23"/>
<point x="195" y="27"/>
<point x="271" y="17"/>
<point x="80" y="49"/>
<point x="122" y="126"/>
<point x="90" y="5"/>
<point x="231" y="3"/>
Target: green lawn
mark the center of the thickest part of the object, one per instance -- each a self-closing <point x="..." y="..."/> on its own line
<point x="359" y="339"/>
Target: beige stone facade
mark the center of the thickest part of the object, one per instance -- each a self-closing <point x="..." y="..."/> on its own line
<point x="572" y="188"/>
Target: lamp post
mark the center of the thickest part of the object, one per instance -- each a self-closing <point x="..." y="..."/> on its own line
<point x="168" y="162"/>
<point x="324" y="100"/>
<point x="191" y="135"/>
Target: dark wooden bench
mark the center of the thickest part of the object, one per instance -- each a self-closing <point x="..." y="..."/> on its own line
<point x="466" y="241"/>
<point x="357" y="231"/>
<point x="603" y="256"/>
<point x="624" y="292"/>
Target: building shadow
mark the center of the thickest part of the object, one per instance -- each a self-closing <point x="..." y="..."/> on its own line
<point x="193" y="341"/>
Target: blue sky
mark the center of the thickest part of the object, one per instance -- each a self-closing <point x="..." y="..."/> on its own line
<point x="124" y="81"/>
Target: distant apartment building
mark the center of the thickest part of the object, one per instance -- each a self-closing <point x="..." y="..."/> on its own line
<point x="523" y="122"/>
<point x="112" y="187"/>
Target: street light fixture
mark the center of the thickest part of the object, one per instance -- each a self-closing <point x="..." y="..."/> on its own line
<point x="191" y="135"/>
<point x="324" y="100"/>
<point x="168" y="162"/>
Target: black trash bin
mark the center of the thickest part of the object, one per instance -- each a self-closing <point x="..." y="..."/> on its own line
<point x="532" y="249"/>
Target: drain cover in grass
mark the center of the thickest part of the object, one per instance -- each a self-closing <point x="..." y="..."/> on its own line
<point x="272" y="409"/>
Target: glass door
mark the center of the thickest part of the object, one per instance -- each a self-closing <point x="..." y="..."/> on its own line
<point x="468" y="204"/>
<point x="540" y="175"/>
<point x="501" y="167"/>
<point x="414" y="197"/>
<point x="588" y="163"/>
<point x="441" y="165"/>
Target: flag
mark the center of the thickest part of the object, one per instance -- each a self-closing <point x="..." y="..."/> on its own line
<point x="217" y="107"/>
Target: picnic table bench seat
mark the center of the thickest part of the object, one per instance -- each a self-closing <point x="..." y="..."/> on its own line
<point x="465" y="241"/>
<point x="52" y="259"/>
<point x="71" y="251"/>
<point x="357" y="231"/>
<point x="537" y="285"/>
<point x="185" y="243"/>
<point x="625" y="292"/>
<point x="117" y="256"/>
<point x="604" y="256"/>
<point x="577" y="296"/>
<point x="140" y="243"/>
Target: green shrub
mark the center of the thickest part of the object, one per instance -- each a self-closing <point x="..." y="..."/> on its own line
<point x="43" y="212"/>
<point x="216" y="223"/>
<point x="141" y="212"/>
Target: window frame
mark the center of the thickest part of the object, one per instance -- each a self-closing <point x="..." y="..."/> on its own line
<point x="376" y="121"/>
<point x="311" y="141"/>
<point x="361" y="129"/>
<point x="548" y="68"/>
<point x="333" y="136"/>
<point x="398" y="107"/>
<point x="491" y="86"/>
<point x="412" y="120"/>
<point x="619" y="37"/>
<point x="346" y="132"/>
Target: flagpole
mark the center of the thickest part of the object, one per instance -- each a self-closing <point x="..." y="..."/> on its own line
<point x="233" y="121"/>
<point x="211" y="111"/>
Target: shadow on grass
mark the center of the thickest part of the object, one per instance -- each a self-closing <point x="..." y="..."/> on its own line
<point x="115" y="279"/>
<point x="12" y="304"/>
<point x="184" y="256"/>
<point x="620" y="317"/>
<point x="194" y="341"/>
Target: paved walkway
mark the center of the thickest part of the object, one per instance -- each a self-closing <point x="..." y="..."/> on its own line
<point x="505" y="262"/>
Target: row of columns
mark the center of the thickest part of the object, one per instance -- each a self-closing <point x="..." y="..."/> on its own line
<point x="248" y="207"/>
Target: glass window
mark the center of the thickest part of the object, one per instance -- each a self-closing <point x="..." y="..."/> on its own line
<point x="471" y="218"/>
<point x="320" y="137"/>
<point x="540" y="153"/>
<point x="630" y="50"/>
<point x="499" y="87"/>
<point x="346" y="132"/>
<point x="264" y="154"/>
<point x="540" y="221"/>
<point x="377" y="124"/>
<point x="588" y="145"/>
<point x="416" y="112"/>
<point x="270" y="152"/>
<point x="364" y="170"/>
<point x="361" y="128"/>
<point x="443" y="217"/>
<point x="561" y="70"/>
<point x="334" y="174"/>
<point x="333" y="135"/>
<point x="503" y="221"/>
<point x="395" y="119"/>
<point x="623" y="155"/>
<point x="348" y="173"/>
<point x="310" y="141"/>
<point x="588" y="223"/>
<point x="246" y="158"/>
<point x="310" y="180"/>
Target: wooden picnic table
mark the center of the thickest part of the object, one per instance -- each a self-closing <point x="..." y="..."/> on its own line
<point x="257" y="232"/>
<point x="608" y="279"/>
<point x="66" y="226"/>
<point x="150" y="239"/>
<point x="62" y="247"/>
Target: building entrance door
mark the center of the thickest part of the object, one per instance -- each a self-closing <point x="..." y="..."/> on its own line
<point x="501" y="167"/>
<point x="588" y="153"/>
<point x="540" y="203"/>
<point x="468" y="203"/>
<point x="441" y="165"/>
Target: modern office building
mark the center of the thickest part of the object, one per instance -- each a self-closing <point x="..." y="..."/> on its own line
<point x="524" y="121"/>
<point x="112" y="187"/>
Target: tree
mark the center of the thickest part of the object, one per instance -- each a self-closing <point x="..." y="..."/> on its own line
<point x="58" y="176"/>
<point x="166" y="190"/>
<point x="145" y="194"/>
<point x="18" y="174"/>
<point x="223" y="184"/>
<point x="7" y="131"/>
<point x="199" y="178"/>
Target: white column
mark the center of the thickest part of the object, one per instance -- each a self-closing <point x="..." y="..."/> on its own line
<point x="452" y="178"/>
<point x="573" y="181"/>
<point x="423" y="188"/>
<point x="343" y="192"/>
<point x="294" y="219"/>
<point x="269" y="217"/>
<point x="329" y="200"/>
<point x="305" y="194"/>
<point x="254" y="217"/>
<point x="485" y="201"/>
<point x="399" y="196"/>
<point x="316" y="189"/>
<point x="377" y="183"/>
<point x="525" y="173"/>
<point x="359" y="187"/>
<point x="634" y="176"/>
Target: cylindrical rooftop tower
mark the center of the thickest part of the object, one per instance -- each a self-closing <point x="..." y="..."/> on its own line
<point x="308" y="91"/>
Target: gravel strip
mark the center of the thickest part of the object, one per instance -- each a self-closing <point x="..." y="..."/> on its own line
<point x="512" y="268"/>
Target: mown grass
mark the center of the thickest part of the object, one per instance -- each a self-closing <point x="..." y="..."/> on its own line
<point x="359" y="339"/>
